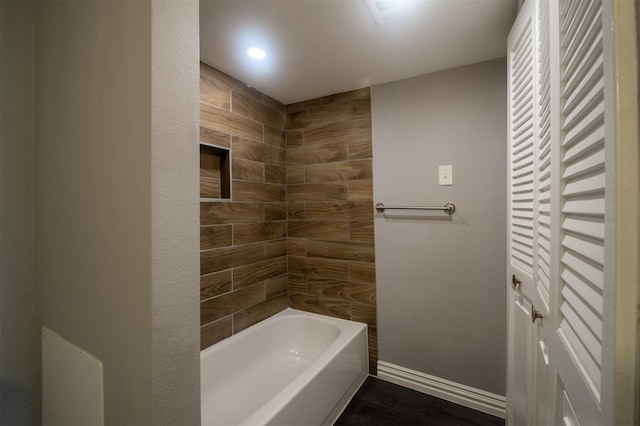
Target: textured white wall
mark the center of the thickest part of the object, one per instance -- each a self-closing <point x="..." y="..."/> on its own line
<point x="440" y="281"/>
<point x="175" y="209"/>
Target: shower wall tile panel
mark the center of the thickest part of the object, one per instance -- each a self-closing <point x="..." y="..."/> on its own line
<point x="330" y="247"/>
<point x="212" y="117"/>
<point x="215" y="331"/>
<point x="332" y="191"/>
<point x="243" y="241"/>
<point x="299" y="229"/>
<point x="275" y="174"/>
<point x="215" y="284"/>
<point x="215" y="138"/>
<point x="363" y="272"/>
<point x="257" y="191"/>
<point x="275" y="211"/>
<point x="225" y="212"/>
<point x="215" y="236"/>
<point x="247" y="170"/>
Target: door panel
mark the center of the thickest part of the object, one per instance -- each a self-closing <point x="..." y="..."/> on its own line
<point x="521" y="153"/>
<point x="546" y="211"/>
<point x="522" y="261"/>
<point x="545" y="190"/>
<point x="520" y="373"/>
<point x="560" y="212"/>
<point x="568" y="416"/>
<point x="542" y="382"/>
<point x="583" y="200"/>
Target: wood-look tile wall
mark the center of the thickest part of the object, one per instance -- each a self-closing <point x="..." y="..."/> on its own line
<point x="330" y="241"/>
<point x="299" y="229"/>
<point x="243" y="263"/>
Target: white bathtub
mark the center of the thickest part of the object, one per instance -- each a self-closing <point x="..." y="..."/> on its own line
<point x="294" y="368"/>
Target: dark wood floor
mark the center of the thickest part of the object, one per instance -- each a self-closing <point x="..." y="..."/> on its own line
<point x="380" y="403"/>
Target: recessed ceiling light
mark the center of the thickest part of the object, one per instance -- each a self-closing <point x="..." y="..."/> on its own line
<point x="256" y="53"/>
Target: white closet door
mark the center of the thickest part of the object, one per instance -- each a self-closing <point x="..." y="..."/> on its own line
<point x="561" y="221"/>
<point x="521" y="215"/>
<point x="546" y="228"/>
<point x="543" y="152"/>
<point x="522" y="161"/>
<point x="585" y="224"/>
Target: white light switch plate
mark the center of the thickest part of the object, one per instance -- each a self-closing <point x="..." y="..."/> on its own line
<point x="445" y="175"/>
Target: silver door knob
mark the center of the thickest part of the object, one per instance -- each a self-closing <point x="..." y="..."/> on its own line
<point x="535" y="314"/>
<point x="515" y="281"/>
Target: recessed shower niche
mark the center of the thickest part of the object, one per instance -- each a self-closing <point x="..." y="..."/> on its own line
<point x="215" y="173"/>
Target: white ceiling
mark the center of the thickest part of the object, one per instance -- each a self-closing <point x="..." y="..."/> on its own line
<point x="321" y="47"/>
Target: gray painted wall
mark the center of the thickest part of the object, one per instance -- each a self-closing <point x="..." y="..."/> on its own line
<point x="441" y="298"/>
<point x="93" y="188"/>
<point x="17" y="276"/>
<point x="108" y="166"/>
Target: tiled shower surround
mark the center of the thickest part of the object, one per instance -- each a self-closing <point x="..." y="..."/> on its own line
<point x="298" y="230"/>
<point x="330" y="209"/>
<point x="243" y="262"/>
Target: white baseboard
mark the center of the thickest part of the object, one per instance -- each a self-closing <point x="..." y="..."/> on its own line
<point x="466" y="396"/>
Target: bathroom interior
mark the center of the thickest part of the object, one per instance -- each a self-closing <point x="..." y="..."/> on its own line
<point x="162" y="195"/>
<point x="299" y="176"/>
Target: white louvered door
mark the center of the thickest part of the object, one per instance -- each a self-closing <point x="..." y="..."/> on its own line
<point x="545" y="209"/>
<point x="522" y="199"/>
<point x="561" y="142"/>
<point x="586" y="226"/>
<point x="521" y="152"/>
<point x="530" y="184"/>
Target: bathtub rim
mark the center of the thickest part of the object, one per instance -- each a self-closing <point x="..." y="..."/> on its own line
<point x="287" y="312"/>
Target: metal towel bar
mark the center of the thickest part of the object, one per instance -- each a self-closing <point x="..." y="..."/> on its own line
<point x="448" y="208"/>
